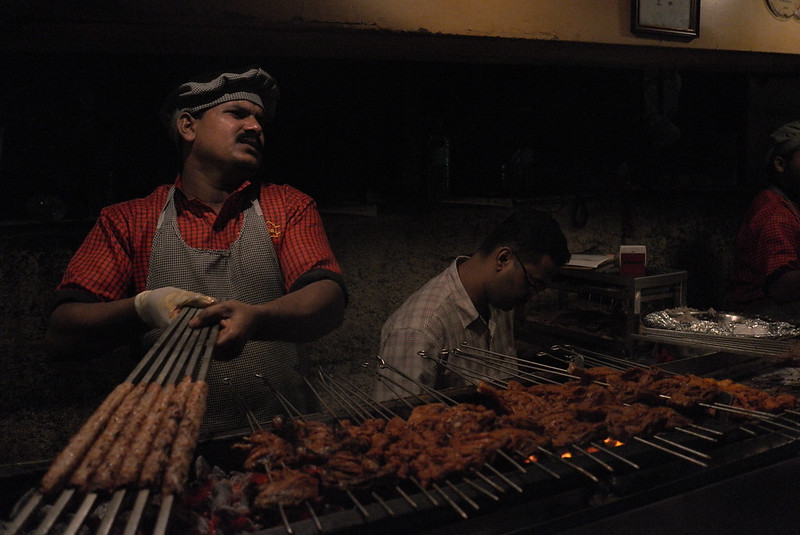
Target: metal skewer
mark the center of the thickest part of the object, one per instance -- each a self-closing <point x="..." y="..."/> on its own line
<point x="169" y="355"/>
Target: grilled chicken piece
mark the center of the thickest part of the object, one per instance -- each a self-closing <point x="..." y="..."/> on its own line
<point x="265" y="448"/>
<point x="287" y="487"/>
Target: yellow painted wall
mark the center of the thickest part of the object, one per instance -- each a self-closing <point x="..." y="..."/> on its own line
<point x="738" y="25"/>
<point x="725" y="25"/>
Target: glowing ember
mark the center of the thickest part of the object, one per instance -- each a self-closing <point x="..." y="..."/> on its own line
<point x="566" y="455"/>
<point x="612" y="442"/>
<point x="532" y="459"/>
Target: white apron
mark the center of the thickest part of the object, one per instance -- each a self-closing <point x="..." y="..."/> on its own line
<point x="249" y="272"/>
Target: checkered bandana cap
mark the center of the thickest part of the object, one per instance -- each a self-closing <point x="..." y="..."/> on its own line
<point x="784" y="140"/>
<point x="254" y="85"/>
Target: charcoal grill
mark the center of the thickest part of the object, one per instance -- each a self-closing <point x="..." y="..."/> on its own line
<point x="550" y="496"/>
<point x="594" y="487"/>
<point x="553" y="493"/>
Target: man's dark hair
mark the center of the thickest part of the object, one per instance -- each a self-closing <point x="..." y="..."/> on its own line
<point x="531" y="234"/>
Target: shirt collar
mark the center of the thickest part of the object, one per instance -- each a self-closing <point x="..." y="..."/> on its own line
<point x="466" y="309"/>
<point x="241" y="196"/>
<point x="792" y="205"/>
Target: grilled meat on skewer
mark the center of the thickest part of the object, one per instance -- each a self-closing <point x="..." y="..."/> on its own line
<point x="638" y="420"/>
<point x="139" y="433"/>
<point x="94" y="457"/>
<point x="368" y="437"/>
<point x="287" y="487"/>
<point x="106" y="474"/>
<point x="349" y="469"/>
<point x="182" y="451"/>
<point x="72" y="455"/>
<point x="683" y="391"/>
<point x="757" y="400"/>
<point x="580" y="415"/>
<point x="314" y="441"/>
<point x="437" y="441"/>
<point x="157" y="457"/>
<point x="266" y="447"/>
<point x="142" y="442"/>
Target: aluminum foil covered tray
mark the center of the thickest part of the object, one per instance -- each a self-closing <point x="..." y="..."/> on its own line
<point x="718" y="323"/>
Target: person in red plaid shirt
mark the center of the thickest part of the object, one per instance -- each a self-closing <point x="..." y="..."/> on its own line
<point x="255" y="255"/>
<point x="765" y="276"/>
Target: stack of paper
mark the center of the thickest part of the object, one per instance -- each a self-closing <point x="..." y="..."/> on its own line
<point x="588" y="261"/>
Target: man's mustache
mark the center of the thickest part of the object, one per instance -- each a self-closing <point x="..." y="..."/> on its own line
<point x="251" y="139"/>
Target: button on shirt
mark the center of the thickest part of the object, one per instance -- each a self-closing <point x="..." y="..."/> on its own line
<point x="440" y="315"/>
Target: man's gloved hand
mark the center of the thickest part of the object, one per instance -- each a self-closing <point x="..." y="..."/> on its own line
<point x="159" y="307"/>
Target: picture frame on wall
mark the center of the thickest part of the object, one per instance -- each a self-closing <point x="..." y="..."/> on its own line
<point x="668" y="18"/>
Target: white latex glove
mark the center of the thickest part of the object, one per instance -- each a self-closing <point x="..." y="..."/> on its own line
<point x="159" y="307"/>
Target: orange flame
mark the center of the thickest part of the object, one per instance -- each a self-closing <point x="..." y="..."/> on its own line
<point x="532" y="459"/>
<point x="612" y="442"/>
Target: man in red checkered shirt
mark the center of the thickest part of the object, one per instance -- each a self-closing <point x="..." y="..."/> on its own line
<point x="765" y="277"/>
<point x="258" y="251"/>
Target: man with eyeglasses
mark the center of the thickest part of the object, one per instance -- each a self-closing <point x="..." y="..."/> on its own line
<point x="472" y="301"/>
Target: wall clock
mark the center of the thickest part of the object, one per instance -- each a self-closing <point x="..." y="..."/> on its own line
<point x="668" y="18"/>
<point x="784" y="9"/>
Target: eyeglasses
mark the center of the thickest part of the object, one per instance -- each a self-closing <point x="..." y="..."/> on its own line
<point x="532" y="283"/>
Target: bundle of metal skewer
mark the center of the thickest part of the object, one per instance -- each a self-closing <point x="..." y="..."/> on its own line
<point x="537" y="373"/>
<point x="343" y="399"/>
<point x="138" y="445"/>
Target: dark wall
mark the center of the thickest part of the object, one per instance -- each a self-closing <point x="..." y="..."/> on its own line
<point x="84" y="128"/>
